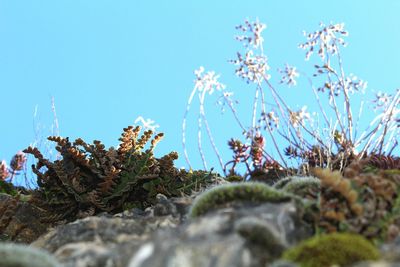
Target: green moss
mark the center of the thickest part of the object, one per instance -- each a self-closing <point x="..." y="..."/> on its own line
<point x="13" y="255"/>
<point x="235" y="178"/>
<point x="246" y="191"/>
<point x="282" y="182"/>
<point x="260" y="232"/>
<point x="338" y="248"/>
<point x="7" y="188"/>
<point x="302" y="186"/>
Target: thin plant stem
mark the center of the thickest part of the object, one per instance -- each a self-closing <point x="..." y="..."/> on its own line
<point x="253" y="123"/>
<point x="316" y="97"/>
<point x="210" y="136"/>
<point x="184" y="126"/>
<point x="393" y="105"/>
<point x="346" y="96"/>
<point x="234" y="113"/>
<point x="199" y="146"/>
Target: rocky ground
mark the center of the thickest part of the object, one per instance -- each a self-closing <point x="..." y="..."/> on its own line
<point x="241" y="233"/>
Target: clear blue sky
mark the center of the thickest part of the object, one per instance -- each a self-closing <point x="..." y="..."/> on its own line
<point x="108" y="62"/>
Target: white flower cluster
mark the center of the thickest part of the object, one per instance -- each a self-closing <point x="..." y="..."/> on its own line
<point x="254" y="29"/>
<point x="226" y="98"/>
<point x="270" y="118"/>
<point x="251" y="68"/>
<point x="381" y="100"/>
<point x="388" y="103"/>
<point x="298" y="118"/>
<point x="207" y="81"/>
<point x="351" y="83"/>
<point x="147" y="124"/>
<point x="289" y="75"/>
<point x="327" y="38"/>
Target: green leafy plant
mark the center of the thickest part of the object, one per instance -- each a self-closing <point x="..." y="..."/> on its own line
<point x="89" y="179"/>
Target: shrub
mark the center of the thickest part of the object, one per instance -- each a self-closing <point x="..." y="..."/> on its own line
<point x="89" y="179"/>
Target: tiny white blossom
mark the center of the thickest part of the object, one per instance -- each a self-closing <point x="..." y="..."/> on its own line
<point x="147" y="124"/>
<point x="352" y="84"/>
<point x="297" y="118"/>
<point x="271" y="119"/>
<point x="253" y="29"/>
<point x="326" y="40"/>
<point x="381" y="100"/>
<point x="251" y="68"/>
<point x="289" y="75"/>
<point x="207" y="81"/>
<point x="226" y="98"/>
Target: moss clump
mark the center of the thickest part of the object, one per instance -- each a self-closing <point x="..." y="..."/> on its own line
<point x="307" y="186"/>
<point x="235" y="178"/>
<point x="333" y="249"/>
<point x="246" y="191"/>
<point x="13" y="255"/>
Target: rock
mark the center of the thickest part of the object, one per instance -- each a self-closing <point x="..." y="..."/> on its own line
<point x="18" y="255"/>
<point x="251" y="234"/>
<point x="391" y="251"/>
<point x="100" y="241"/>
<point x="376" y="264"/>
<point x="19" y="220"/>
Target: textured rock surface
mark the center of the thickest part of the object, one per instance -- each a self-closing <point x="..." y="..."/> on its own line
<point x="100" y="241"/>
<point x="377" y="264"/>
<point x="241" y="234"/>
<point x="248" y="235"/>
<point x="19" y="220"/>
<point x="226" y="238"/>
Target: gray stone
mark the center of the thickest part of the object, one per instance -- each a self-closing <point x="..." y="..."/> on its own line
<point x="241" y="236"/>
<point x="376" y="264"/>
<point x="246" y="235"/>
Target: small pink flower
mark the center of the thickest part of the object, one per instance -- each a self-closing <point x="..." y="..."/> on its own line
<point x="3" y="170"/>
<point x="18" y="161"/>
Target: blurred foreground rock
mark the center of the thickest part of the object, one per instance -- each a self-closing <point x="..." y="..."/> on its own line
<point x="250" y="235"/>
<point x="242" y="234"/>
